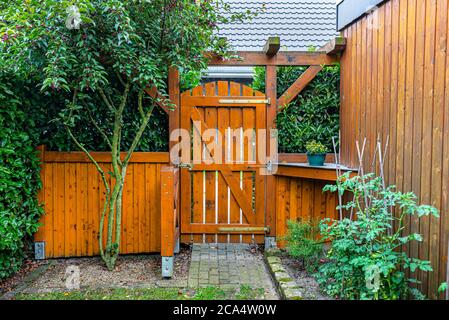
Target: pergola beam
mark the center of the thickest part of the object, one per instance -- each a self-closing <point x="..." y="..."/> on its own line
<point x="272" y="46"/>
<point x="334" y="46"/>
<point x="287" y="58"/>
<point x="298" y="86"/>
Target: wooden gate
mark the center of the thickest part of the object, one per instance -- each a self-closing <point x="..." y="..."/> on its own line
<point x="222" y="185"/>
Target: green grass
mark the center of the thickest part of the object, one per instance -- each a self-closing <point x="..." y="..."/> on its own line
<point x="209" y="293"/>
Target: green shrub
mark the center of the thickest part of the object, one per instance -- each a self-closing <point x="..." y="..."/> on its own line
<point x="45" y="107"/>
<point x="313" y="147"/>
<point x="313" y="114"/>
<point x="301" y="243"/>
<point x="19" y="182"/>
<point x="365" y="260"/>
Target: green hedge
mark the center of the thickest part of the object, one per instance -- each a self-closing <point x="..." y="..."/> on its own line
<point x="19" y="181"/>
<point x="45" y="109"/>
<point x="313" y="114"/>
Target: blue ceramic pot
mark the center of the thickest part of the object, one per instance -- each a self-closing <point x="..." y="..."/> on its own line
<point x="316" y="159"/>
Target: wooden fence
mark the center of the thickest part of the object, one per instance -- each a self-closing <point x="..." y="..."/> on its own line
<point x="73" y="194"/>
<point x="300" y="196"/>
<point x="395" y="83"/>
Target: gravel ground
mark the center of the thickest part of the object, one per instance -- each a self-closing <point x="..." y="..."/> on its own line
<point x="12" y="282"/>
<point x="310" y="287"/>
<point x="132" y="271"/>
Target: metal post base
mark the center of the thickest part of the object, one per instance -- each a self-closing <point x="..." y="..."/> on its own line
<point x="270" y="242"/>
<point x="167" y="267"/>
<point x="39" y="250"/>
<point x="177" y="246"/>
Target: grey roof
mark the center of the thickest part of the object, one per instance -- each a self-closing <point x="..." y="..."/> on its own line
<point x="299" y="23"/>
<point x="230" y="72"/>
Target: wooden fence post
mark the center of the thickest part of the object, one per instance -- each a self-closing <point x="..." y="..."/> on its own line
<point x="169" y="219"/>
<point x="270" y="201"/>
<point x="39" y="236"/>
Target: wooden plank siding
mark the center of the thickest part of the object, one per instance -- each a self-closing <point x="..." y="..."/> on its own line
<point x="73" y="195"/>
<point x="395" y="84"/>
<point x="298" y="198"/>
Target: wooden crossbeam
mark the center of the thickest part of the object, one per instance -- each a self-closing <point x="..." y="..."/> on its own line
<point x="272" y="46"/>
<point x="239" y="195"/>
<point x="335" y="46"/>
<point x="290" y="58"/>
<point x="298" y="86"/>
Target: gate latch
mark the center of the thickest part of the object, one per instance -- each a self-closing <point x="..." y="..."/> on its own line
<point x="245" y="101"/>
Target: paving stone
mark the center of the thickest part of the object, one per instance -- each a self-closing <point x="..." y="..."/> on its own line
<point x="228" y="266"/>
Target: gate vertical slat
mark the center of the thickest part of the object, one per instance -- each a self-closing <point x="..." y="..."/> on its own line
<point x="223" y="190"/>
<point x="198" y="177"/>
<point x="210" y="118"/>
<point x="222" y="207"/>
<point x="235" y="124"/>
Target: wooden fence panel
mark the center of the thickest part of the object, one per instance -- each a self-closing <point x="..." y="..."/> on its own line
<point x="402" y="48"/>
<point x="73" y="195"/>
<point x="302" y="198"/>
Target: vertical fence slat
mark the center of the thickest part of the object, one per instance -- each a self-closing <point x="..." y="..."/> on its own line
<point x="412" y="103"/>
<point x="73" y="195"/>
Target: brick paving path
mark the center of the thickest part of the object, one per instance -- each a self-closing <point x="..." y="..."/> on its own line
<point x="229" y="266"/>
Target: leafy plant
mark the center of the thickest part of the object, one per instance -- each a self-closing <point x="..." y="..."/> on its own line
<point x="313" y="147"/>
<point x="19" y="182"/>
<point x="102" y="55"/>
<point x="443" y="287"/>
<point x="313" y="114"/>
<point x="301" y="242"/>
<point x="365" y="260"/>
<point x="190" y="79"/>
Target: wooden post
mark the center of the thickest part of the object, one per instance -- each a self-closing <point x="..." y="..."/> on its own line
<point x="173" y="92"/>
<point x="175" y="123"/>
<point x="40" y="234"/>
<point x="168" y="220"/>
<point x="271" y="93"/>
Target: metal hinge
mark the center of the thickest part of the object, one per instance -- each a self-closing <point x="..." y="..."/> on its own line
<point x="183" y="165"/>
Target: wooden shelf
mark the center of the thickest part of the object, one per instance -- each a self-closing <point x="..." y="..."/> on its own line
<point x="304" y="170"/>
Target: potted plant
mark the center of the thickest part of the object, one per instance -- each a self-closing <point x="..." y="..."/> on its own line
<point x="316" y="153"/>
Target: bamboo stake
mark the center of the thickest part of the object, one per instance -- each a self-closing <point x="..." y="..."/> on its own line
<point x="338" y="171"/>
<point x="382" y="177"/>
<point x="360" y="154"/>
<point x="373" y="163"/>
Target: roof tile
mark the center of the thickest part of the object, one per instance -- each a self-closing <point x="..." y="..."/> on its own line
<point x="299" y="23"/>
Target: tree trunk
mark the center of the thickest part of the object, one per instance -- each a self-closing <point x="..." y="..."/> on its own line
<point x="111" y="214"/>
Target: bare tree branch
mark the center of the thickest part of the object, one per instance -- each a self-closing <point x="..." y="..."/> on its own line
<point x="101" y="131"/>
<point x="106" y="100"/>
